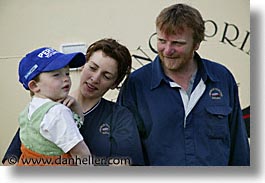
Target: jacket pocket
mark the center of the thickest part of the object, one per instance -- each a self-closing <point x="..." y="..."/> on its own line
<point x="218" y="121"/>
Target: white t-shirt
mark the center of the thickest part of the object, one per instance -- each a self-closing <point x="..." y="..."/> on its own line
<point x="58" y="124"/>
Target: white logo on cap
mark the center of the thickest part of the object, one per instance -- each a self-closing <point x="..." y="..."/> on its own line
<point x="47" y="53"/>
<point x="32" y="69"/>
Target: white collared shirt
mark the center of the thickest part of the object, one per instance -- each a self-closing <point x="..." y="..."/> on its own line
<point x="190" y="101"/>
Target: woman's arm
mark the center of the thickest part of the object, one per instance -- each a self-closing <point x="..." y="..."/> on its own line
<point x="81" y="154"/>
<point x="13" y="152"/>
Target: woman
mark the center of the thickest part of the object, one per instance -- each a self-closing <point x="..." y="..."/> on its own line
<point x="109" y="130"/>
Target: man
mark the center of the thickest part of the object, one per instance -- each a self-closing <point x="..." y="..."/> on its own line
<point x="187" y="108"/>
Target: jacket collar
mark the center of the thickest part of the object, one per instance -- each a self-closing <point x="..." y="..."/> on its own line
<point x="158" y="74"/>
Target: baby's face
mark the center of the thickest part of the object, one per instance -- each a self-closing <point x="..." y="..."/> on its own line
<point x="54" y="85"/>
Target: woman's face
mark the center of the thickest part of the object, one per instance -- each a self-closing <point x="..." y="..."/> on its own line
<point x="98" y="75"/>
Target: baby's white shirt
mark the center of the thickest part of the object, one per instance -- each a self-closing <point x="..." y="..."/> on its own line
<point x="58" y="125"/>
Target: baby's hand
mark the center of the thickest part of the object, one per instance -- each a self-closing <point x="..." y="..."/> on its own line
<point x="72" y="103"/>
<point x="68" y="101"/>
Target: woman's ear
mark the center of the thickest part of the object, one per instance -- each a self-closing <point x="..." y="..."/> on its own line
<point x="33" y="86"/>
<point x="197" y="46"/>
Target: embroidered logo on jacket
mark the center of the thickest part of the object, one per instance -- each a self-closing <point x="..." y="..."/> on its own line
<point x="104" y="129"/>
<point x="215" y="93"/>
